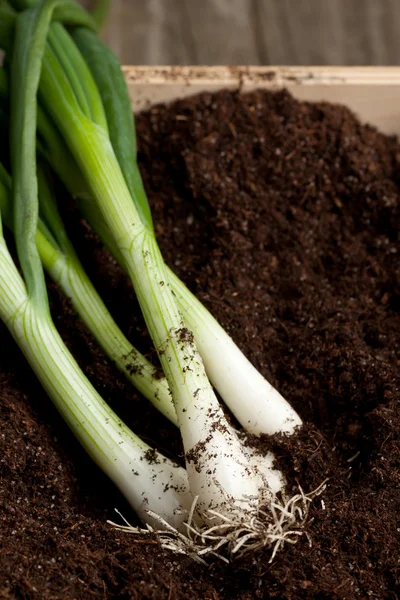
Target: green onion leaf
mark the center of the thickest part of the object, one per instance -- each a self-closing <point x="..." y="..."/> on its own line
<point x="111" y="84"/>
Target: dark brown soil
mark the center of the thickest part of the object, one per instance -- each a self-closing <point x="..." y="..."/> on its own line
<point x="283" y="217"/>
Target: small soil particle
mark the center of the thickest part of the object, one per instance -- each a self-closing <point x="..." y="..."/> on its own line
<point x="284" y="218"/>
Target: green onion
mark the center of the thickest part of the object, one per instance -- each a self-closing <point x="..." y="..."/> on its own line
<point x="84" y="100"/>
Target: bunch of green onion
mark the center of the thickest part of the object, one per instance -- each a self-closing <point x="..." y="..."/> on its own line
<point x="66" y="108"/>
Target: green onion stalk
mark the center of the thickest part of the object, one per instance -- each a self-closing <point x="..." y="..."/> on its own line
<point x="61" y="262"/>
<point x="147" y="480"/>
<point x="81" y="90"/>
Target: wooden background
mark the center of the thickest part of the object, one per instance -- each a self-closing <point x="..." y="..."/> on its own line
<point x="274" y="32"/>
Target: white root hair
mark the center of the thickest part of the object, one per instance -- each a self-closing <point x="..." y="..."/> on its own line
<point x="278" y="523"/>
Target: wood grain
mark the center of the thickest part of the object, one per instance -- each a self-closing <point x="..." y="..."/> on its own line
<point x="223" y="32"/>
<point x="149" y="32"/>
<point x="330" y="32"/>
<point x="292" y="32"/>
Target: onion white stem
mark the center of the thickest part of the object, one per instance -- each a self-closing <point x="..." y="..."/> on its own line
<point x="61" y="262"/>
<point x="147" y="479"/>
<point x="256" y="404"/>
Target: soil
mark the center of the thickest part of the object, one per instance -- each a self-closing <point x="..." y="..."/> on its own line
<point x="283" y="217"/>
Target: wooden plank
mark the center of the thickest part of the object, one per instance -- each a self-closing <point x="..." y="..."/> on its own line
<point x="292" y="32"/>
<point x="223" y="32"/>
<point x="348" y="32"/>
<point x="153" y="32"/>
<point x="373" y="93"/>
<point x="383" y="19"/>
